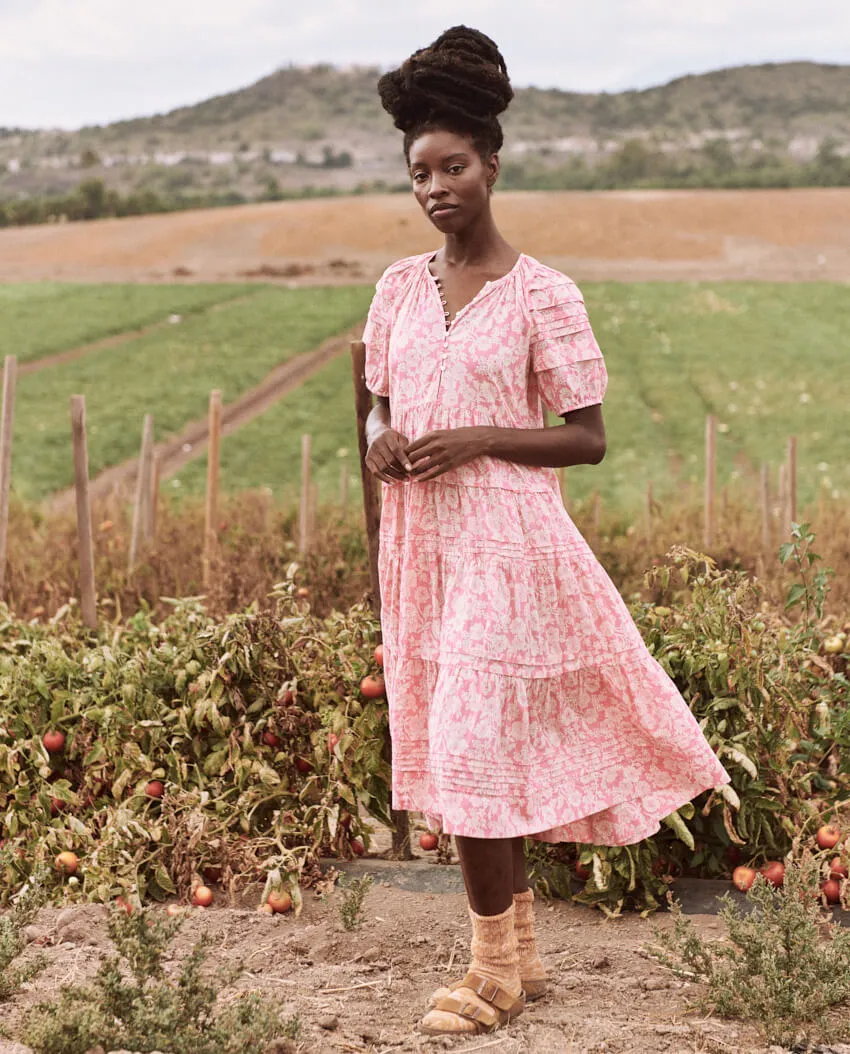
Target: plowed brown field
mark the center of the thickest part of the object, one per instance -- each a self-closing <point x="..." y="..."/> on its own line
<point x="785" y="235"/>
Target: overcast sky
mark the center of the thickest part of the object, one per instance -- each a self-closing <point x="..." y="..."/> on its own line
<point x="65" y="63"/>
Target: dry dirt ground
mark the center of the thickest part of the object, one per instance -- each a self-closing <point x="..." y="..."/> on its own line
<point x="370" y="985"/>
<point x="785" y="235"/>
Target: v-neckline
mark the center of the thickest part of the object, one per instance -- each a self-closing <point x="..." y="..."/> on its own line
<point x="435" y="284"/>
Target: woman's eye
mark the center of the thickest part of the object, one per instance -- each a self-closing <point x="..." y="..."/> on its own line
<point x="456" y="169"/>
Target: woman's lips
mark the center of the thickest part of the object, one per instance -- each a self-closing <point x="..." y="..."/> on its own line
<point x="443" y="208"/>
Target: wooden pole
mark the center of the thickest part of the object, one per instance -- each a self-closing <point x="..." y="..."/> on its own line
<point x="7" y="424"/>
<point x="140" y="506"/>
<point x="213" y="468"/>
<point x="153" y="502"/>
<point x="371" y="508"/>
<point x="766" y="533"/>
<point x="343" y="487"/>
<point x="304" y="508"/>
<point x="88" y="604"/>
<point x="792" y="482"/>
<point x="782" y="501"/>
<point x="710" y="479"/>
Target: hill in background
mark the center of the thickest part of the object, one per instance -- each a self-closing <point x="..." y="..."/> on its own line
<point x="322" y="128"/>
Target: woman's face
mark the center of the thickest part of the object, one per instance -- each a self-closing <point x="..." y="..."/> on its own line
<point x="450" y="180"/>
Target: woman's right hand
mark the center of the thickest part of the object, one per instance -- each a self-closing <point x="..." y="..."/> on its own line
<point x="386" y="458"/>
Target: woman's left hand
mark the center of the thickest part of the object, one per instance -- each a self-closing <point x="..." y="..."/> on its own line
<point x="436" y="452"/>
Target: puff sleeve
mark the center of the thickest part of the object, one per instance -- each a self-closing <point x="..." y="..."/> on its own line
<point x="565" y="357"/>
<point x="376" y="337"/>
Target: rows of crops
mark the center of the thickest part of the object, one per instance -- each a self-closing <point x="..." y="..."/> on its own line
<point x="768" y="360"/>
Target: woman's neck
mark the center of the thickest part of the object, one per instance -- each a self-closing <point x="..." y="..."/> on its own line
<point x="478" y="245"/>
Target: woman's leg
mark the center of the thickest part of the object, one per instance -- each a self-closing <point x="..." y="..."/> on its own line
<point x="488" y="866"/>
<point x="520" y="876"/>
<point x="488" y="873"/>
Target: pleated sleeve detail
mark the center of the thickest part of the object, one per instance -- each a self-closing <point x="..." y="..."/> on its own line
<point x="565" y="356"/>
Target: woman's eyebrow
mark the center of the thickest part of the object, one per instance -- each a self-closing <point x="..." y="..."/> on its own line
<point x="448" y="157"/>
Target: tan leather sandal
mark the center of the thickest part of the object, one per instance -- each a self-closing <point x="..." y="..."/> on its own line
<point x="494" y="1008"/>
<point x="533" y="990"/>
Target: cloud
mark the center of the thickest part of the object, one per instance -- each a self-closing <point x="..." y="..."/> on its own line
<point x="75" y="61"/>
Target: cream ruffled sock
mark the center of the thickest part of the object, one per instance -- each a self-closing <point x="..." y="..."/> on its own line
<point x="531" y="967"/>
<point x="495" y="956"/>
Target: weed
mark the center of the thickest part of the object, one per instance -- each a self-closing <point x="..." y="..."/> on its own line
<point x="351" y="906"/>
<point x="133" y="1004"/>
<point x="773" y="967"/>
<point x="811" y="592"/>
<point x="12" y="941"/>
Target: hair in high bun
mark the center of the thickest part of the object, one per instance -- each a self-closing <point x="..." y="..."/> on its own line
<point x="459" y="83"/>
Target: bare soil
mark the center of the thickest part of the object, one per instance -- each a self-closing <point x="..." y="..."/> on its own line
<point x="783" y="235"/>
<point x="375" y="981"/>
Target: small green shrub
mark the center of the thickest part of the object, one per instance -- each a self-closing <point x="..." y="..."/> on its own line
<point x="133" y="1004"/>
<point x="12" y="941"/>
<point x="774" y="967"/>
<point x="351" y="906"/>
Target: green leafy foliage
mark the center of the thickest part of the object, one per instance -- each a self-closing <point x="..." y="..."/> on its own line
<point x="351" y="904"/>
<point x="233" y="717"/>
<point x="774" y="966"/>
<point x="133" y="1004"/>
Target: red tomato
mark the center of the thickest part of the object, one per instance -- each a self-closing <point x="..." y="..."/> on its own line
<point x="373" y="687"/>
<point x="357" y="847"/>
<point x="302" y="591"/>
<point x="54" y="742"/>
<point x="155" y="789"/>
<point x="379" y="655"/>
<point x="122" y="902"/>
<point x="828" y="836"/>
<point x="271" y="740"/>
<point x="831" y="891"/>
<point x="67" y="862"/>
<point x="174" y="910"/>
<point x="279" y="901"/>
<point x="428" y="841"/>
<point x="202" y="896"/>
<point x="743" y="878"/>
<point x="583" y="872"/>
<point x="837" y="869"/>
<point x="774" y="872"/>
<point x="303" y="765"/>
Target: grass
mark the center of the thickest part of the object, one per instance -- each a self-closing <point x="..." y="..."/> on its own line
<point x="46" y="317"/>
<point x="267" y="451"/>
<point x="168" y="373"/>
<point x="769" y="360"/>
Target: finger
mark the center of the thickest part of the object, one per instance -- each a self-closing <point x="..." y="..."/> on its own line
<point x="417" y="444"/>
<point x="420" y="455"/>
<point x="432" y="473"/>
<point x="401" y="458"/>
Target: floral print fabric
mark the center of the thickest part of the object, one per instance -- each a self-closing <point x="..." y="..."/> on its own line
<point x="522" y="698"/>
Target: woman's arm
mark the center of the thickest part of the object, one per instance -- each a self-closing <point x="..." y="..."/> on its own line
<point x="580" y="440"/>
<point x="385" y="453"/>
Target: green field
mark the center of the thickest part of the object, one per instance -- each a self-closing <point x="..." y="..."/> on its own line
<point x="168" y="373"/>
<point x="769" y="360"/>
<point x="38" y="319"/>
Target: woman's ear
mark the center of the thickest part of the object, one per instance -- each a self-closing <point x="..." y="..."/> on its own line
<point x="493" y="166"/>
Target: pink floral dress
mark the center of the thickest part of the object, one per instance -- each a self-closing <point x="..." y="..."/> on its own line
<point x="522" y="698"/>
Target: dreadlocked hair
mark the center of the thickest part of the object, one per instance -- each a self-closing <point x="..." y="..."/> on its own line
<point x="458" y="84"/>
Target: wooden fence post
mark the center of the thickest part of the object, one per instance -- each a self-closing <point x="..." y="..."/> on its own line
<point x="710" y="479"/>
<point x="88" y="604"/>
<point x="7" y="424"/>
<point x="792" y="483"/>
<point x="140" y="506"/>
<point x="304" y="507"/>
<point x="213" y="468"/>
<point x="371" y="507"/>
<point x="766" y="533"/>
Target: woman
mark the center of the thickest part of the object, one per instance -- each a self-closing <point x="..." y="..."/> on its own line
<point x="523" y="702"/>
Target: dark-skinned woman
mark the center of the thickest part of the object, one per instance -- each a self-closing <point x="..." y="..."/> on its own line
<point x="523" y="701"/>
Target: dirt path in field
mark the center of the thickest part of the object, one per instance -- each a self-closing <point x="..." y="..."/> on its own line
<point x="784" y="235"/>
<point x="125" y="337"/>
<point x="190" y="443"/>
<point x="364" y="990"/>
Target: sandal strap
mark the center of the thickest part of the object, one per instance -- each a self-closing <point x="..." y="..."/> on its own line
<point x="485" y="1017"/>
<point x="488" y="990"/>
